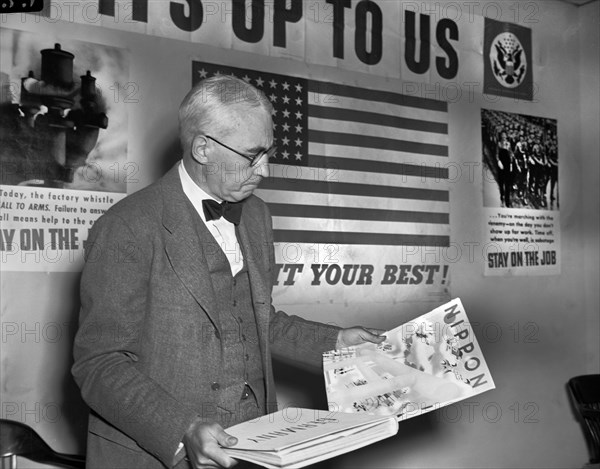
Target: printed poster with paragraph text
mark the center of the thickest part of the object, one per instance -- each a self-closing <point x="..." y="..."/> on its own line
<point x="520" y="194"/>
<point x="63" y="148"/>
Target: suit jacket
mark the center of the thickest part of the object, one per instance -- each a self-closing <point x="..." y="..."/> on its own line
<point x="147" y="351"/>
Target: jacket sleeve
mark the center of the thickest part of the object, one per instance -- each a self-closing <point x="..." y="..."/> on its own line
<point x="113" y="291"/>
<point x="294" y="339"/>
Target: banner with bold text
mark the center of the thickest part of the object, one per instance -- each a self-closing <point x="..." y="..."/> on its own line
<point x="397" y="39"/>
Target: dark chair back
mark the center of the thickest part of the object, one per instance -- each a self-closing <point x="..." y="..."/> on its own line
<point x="18" y="439"/>
<point x="585" y="391"/>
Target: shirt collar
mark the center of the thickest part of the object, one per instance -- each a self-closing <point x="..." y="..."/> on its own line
<point x="193" y="192"/>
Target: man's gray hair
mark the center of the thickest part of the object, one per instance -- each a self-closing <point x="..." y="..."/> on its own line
<point x="202" y="110"/>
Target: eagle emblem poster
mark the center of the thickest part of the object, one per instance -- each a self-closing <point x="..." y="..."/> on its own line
<point x="507" y="60"/>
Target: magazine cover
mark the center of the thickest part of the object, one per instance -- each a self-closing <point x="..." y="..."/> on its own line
<point x="427" y="363"/>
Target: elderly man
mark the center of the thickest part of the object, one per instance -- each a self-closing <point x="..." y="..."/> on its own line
<point x="177" y="328"/>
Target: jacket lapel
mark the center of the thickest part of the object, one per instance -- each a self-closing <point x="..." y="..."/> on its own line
<point x="252" y="242"/>
<point x="256" y="254"/>
<point x="183" y="245"/>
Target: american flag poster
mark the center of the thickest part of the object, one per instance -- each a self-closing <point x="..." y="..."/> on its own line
<point x="358" y="192"/>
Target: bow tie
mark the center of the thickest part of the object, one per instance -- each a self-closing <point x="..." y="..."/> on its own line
<point x="213" y="210"/>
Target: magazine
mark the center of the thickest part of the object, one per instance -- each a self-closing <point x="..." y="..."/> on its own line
<point x="427" y="363"/>
<point x="296" y="437"/>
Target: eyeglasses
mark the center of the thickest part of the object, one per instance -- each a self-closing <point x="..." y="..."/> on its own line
<point x="253" y="159"/>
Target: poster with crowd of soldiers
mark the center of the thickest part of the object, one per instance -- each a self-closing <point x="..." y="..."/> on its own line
<point x="520" y="194"/>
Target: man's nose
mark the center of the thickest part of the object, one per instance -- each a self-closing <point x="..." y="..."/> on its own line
<point x="262" y="168"/>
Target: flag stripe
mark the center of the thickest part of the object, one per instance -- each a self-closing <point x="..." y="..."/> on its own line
<point x="368" y="190"/>
<point x="370" y="130"/>
<point x="380" y="239"/>
<point x="353" y="164"/>
<point x="376" y="95"/>
<point x="340" y="138"/>
<point x="337" y="200"/>
<point x="352" y="213"/>
<point x="358" y="226"/>
<point x="296" y="175"/>
<point x="375" y="118"/>
<point x="375" y="155"/>
<point x="386" y="108"/>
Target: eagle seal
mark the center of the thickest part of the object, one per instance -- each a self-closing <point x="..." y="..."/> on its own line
<point x="508" y="60"/>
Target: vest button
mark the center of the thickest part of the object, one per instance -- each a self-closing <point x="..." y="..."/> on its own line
<point x="215" y="386"/>
<point x="234" y="302"/>
<point x="243" y="337"/>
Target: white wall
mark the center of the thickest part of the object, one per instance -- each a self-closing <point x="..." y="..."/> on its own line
<point x="590" y="138"/>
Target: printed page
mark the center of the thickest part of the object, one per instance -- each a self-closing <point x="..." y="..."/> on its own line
<point x="425" y="364"/>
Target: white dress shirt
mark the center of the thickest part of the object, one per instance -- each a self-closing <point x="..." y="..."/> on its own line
<point x="222" y="230"/>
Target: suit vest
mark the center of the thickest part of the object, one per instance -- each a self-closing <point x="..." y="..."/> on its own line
<point x="240" y="350"/>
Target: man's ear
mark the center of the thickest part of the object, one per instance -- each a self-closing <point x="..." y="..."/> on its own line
<point x="199" y="149"/>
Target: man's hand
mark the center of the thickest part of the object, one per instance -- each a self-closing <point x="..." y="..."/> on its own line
<point x="358" y="335"/>
<point x="203" y="443"/>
